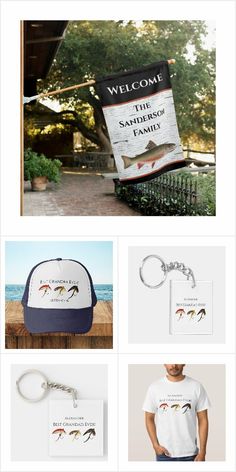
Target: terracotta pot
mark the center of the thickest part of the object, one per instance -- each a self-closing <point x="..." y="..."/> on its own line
<point x="39" y="184"/>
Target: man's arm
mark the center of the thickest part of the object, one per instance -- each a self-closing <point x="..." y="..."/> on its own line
<point x="151" y="429"/>
<point x="203" y="433"/>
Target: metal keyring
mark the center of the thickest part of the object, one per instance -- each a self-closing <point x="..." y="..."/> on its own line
<point x="163" y="267"/>
<point x="45" y="381"/>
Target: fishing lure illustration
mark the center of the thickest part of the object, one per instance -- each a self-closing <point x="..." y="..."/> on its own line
<point x="60" y="289"/>
<point x="76" y="433"/>
<point x="202" y="314"/>
<point x="186" y="407"/>
<point x="191" y="314"/>
<point x="180" y="312"/>
<point x="176" y="406"/>
<point x="61" y="433"/>
<point x="45" y="289"/>
<point x="74" y="289"/>
<point x="164" y="406"/>
<point x="91" y="433"/>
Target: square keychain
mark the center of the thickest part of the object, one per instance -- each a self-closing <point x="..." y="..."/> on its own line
<point x="75" y="426"/>
<point x="75" y="431"/>
<point x="191" y="301"/>
<point x="191" y="310"/>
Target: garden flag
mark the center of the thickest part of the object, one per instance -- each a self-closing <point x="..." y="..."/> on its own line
<point x="140" y="115"/>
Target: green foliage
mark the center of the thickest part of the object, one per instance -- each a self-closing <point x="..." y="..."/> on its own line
<point x="207" y="195"/>
<point x="38" y="165"/>
<point x="51" y="140"/>
<point x="151" y="204"/>
<point x="96" y="48"/>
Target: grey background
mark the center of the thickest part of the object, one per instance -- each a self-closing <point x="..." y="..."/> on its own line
<point x="212" y="376"/>
<point x="149" y="308"/>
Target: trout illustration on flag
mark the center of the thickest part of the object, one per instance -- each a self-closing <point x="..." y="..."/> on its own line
<point x="139" y="111"/>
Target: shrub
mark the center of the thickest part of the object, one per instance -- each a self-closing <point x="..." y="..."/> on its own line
<point x="150" y="200"/>
<point x="38" y="165"/>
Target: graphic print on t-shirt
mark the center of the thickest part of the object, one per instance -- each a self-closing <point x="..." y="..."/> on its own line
<point x="173" y="404"/>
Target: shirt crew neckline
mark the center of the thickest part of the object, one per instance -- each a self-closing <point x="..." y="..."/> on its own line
<point x="176" y="382"/>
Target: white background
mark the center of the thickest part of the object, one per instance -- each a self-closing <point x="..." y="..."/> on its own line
<point x="223" y="224"/>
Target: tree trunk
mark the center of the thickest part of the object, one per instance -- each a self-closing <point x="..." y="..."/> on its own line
<point x="98" y="135"/>
<point x="105" y="142"/>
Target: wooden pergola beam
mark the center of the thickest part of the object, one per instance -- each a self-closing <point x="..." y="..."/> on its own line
<point x="44" y="40"/>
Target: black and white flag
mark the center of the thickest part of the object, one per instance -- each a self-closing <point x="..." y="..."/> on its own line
<point x="139" y="111"/>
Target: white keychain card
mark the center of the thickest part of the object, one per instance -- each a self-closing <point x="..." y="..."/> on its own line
<point x="191" y="310"/>
<point x="75" y="431"/>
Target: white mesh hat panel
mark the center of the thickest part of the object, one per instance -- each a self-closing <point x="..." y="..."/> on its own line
<point x="60" y="284"/>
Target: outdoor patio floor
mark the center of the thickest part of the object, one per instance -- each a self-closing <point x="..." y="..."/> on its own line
<point x="77" y="195"/>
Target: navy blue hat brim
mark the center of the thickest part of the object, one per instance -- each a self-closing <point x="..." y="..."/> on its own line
<point x="41" y="320"/>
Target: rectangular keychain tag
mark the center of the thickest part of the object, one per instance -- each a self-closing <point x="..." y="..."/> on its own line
<point x="76" y="431"/>
<point x="191" y="310"/>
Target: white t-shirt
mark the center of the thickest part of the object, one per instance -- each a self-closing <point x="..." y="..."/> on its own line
<point x="175" y="405"/>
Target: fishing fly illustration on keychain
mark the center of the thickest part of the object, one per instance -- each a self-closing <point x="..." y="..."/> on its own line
<point x="190" y="301"/>
<point x="75" y="426"/>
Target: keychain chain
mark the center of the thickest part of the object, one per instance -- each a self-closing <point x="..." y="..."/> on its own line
<point x="166" y="268"/>
<point x="45" y="385"/>
<point x="182" y="268"/>
<point x="64" y="388"/>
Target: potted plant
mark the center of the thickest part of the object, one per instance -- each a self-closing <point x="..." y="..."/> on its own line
<point x="40" y="170"/>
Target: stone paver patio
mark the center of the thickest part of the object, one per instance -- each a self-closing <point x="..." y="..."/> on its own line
<point x="76" y="195"/>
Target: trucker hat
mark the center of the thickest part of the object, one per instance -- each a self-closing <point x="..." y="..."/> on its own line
<point x="59" y="297"/>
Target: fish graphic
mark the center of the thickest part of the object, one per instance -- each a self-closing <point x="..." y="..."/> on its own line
<point x="176" y="406"/>
<point x="153" y="154"/>
<point x="45" y="288"/>
<point x="201" y="312"/>
<point x="164" y="406"/>
<point x="180" y="312"/>
<point x="60" y="290"/>
<point x="74" y="290"/>
<point x="91" y="433"/>
<point x="191" y="313"/>
<point x="76" y="433"/>
<point x="186" y="407"/>
<point x="61" y="432"/>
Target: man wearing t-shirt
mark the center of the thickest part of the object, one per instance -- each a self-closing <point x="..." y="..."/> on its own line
<point x="173" y="406"/>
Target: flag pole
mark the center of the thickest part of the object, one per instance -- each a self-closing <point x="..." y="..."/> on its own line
<point x="72" y="87"/>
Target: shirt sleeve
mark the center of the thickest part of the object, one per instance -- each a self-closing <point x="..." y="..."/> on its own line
<point x="149" y="404"/>
<point x="203" y="402"/>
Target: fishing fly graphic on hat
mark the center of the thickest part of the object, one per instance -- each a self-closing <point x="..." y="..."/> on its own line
<point x="59" y="297"/>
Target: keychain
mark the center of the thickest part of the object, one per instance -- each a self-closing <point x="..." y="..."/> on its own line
<point x="46" y="386"/>
<point x="75" y="428"/>
<point x="190" y="300"/>
<point x="166" y="268"/>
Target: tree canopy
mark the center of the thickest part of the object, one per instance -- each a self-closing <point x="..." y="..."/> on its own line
<point x="93" y="49"/>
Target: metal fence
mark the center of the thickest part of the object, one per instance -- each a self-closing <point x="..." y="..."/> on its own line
<point x="170" y="194"/>
<point x="180" y="189"/>
<point x="93" y="161"/>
